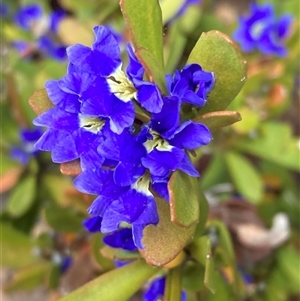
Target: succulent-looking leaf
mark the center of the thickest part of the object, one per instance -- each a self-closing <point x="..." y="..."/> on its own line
<point x="166" y="240"/>
<point x="71" y="168"/>
<point x="215" y="120"/>
<point x="217" y="53"/>
<point x="40" y="102"/>
<point x="117" y="285"/>
<point x="144" y="22"/>
<point x="184" y="199"/>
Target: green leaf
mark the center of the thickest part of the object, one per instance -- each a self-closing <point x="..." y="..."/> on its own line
<point x="22" y="197"/>
<point x="203" y="214"/>
<point x="193" y="277"/>
<point x="246" y="179"/>
<point x="173" y="285"/>
<point x="40" y="102"/>
<point x="169" y="8"/>
<point x="217" y="53"/>
<point x="117" y="285"/>
<point x="63" y="219"/>
<point x="16" y="248"/>
<point x="215" y="120"/>
<point x="268" y="146"/>
<point x="144" y="22"/>
<point x="288" y="259"/>
<point x="200" y="249"/>
<point x="164" y="241"/>
<point x="184" y="199"/>
<point x="29" y="277"/>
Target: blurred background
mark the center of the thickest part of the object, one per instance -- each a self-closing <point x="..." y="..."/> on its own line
<point x="250" y="172"/>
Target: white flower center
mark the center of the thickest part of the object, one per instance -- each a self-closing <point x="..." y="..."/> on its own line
<point x="257" y="29"/>
<point x="121" y="86"/>
<point x="142" y="185"/>
<point x="91" y="124"/>
<point x="157" y="142"/>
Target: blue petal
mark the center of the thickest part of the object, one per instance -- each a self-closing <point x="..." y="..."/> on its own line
<point x="99" y="206"/>
<point x="120" y="239"/>
<point x="59" y="119"/>
<point x="28" y="14"/>
<point x="156" y="290"/>
<point x="149" y="97"/>
<point x="128" y="173"/>
<point x="187" y="166"/>
<point x="191" y="135"/>
<point x="161" y="163"/>
<point x="167" y="120"/>
<point x="66" y="101"/>
<point x="93" y="224"/>
<point x="99" y="181"/>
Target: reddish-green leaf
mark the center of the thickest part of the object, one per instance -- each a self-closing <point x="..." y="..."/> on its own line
<point x="217" y="53"/>
<point x="40" y="102"/>
<point x="164" y="241"/>
<point x="184" y="199"/>
<point x="215" y="120"/>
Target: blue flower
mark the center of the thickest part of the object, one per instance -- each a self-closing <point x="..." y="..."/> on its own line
<point x="30" y="17"/>
<point x="262" y="30"/>
<point x="166" y="141"/>
<point x="115" y="204"/>
<point x="27" y="15"/>
<point x="155" y="291"/>
<point x="124" y="163"/>
<point x="191" y="85"/>
<point x="4" y="10"/>
<point x="24" y="152"/>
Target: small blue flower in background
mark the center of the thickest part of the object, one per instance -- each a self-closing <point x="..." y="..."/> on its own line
<point x="24" y="152"/>
<point x="262" y="30"/>
<point x="155" y="291"/>
<point x="44" y="28"/>
<point x="123" y="162"/>
<point x="4" y="10"/>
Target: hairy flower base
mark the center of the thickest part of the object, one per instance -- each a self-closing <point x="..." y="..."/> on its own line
<point x="122" y="162"/>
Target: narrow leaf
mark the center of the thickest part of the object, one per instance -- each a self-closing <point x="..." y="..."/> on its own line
<point x="215" y="120"/>
<point x="22" y="197"/>
<point x="247" y="180"/>
<point x="29" y="277"/>
<point x="117" y="285"/>
<point x="217" y="53"/>
<point x="144" y="22"/>
<point x="184" y="199"/>
<point x="173" y="285"/>
<point x="166" y="240"/>
<point x="40" y="102"/>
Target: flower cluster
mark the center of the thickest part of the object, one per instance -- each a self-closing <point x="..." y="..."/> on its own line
<point x="263" y="30"/>
<point x="44" y="28"/>
<point x="124" y="161"/>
